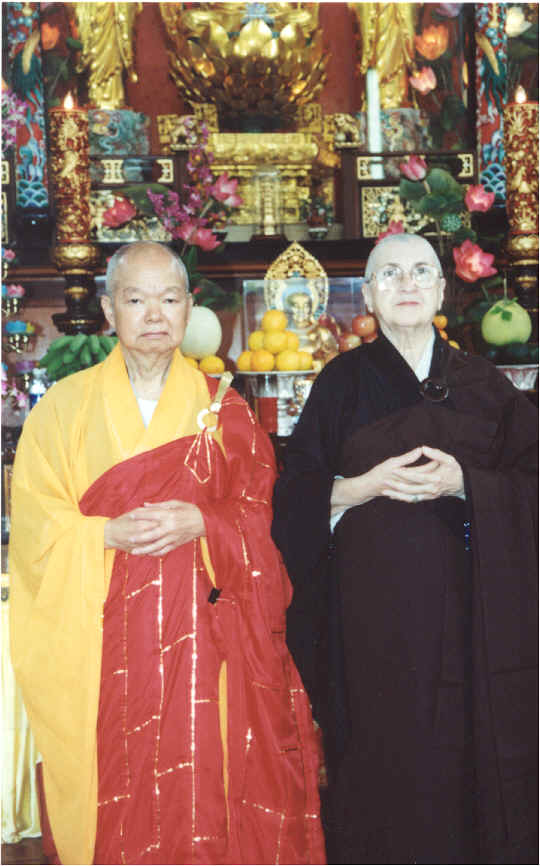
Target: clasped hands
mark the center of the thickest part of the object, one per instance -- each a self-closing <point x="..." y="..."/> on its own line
<point x="155" y="528"/>
<point x="396" y="478"/>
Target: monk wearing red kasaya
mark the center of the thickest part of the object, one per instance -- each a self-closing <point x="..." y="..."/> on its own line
<point x="149" y="605"/>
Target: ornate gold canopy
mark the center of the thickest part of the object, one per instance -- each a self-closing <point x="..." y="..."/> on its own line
<point x="249" y="59"/>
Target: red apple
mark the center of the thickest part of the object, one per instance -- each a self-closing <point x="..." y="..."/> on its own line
<point x="348" y="340"/>
<point x="364" y="326"/>
<point x="370" y="338"/>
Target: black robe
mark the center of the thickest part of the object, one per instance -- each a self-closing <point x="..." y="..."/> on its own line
<point x="415" y="625"/>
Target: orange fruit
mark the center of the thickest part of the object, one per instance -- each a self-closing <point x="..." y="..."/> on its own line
<point x="243" y="362"/>
<point x="440" y="321"/>
<point x="255" y="340"/>
<point x="211" y="364"/>
<point x="305" y="360"/>
<point x="293" y="340"/>
<point x="274" y="320"/>
<point x="192" y="362"/>
<point x="262" y="361"/>
<point x="288" y="360"/>
<point x="443" y="334"/>
<point x="275" y="341"/>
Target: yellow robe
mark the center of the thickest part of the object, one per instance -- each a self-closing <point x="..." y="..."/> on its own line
<point x="60" y="571"/>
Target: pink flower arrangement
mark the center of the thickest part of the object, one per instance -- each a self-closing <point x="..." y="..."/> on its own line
<point x="472" y="263"/>
<point x="15" y="291"/>
<point x="206" y="204"/>
<point x="415" y="168"/>
<point x="479" y="199"/>
<point x="120" y="213"/>
<point x="425" y="81"/>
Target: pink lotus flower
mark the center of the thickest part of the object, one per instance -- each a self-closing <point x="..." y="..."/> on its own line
<point x="415" y="168"/>
<point x="8" y="255"/>
<point x="425" y="81"/>
<point x="472" y="263"/>
<point x="477" y="198"/>
<point x="14" y="291"/>
<point x="224" y="190"/>
<point x="121" y="212"/>
<point x="205" y="239"/>
<point x="395" y="227"/>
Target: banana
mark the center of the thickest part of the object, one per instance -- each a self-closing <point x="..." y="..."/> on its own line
<point x="107" y="343"/>
<point x="94" y="345"/>
<point x="101" y="355"/>
<point x="60" y="343"/>
<point x="67" y="357"/>
<point x="86" y="355"/>
<point x="77" y="343"/>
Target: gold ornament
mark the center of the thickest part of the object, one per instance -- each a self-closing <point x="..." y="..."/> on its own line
<point x="386" y="43"/>
<point x="106" y="32"/>
<point x="265" y="62"/>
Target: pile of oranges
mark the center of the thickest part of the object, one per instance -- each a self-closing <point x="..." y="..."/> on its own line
<point x="273" y="347"/>
<point x="208" y="364"/>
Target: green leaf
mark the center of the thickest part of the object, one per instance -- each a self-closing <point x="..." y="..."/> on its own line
<point x="521" y="51"/>
<point x="506" y="315"/>
<point x="411" y="190"/>
<point x="432" y="205"/>
<point x="191" y="258"/>
<point x="441" y="181"/>
<point x="452" y="110"/>
<point x="463" y="234"/>
<point x="138" y="194"/>
<point x="76" y="44"/>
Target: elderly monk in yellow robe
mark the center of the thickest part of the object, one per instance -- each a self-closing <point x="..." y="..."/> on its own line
<point x="148" y="612"/>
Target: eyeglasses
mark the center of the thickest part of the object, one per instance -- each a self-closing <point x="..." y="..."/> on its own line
<point x="393" y="276"/>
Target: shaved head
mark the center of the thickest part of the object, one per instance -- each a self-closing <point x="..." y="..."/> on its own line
<point x="404" y="240"/>
<point x="140" y="248"/>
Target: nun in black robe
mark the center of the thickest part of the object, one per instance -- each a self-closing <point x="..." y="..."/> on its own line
<point x="414" y="626"/>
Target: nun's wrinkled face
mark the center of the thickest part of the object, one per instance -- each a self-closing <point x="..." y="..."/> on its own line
<point x="150" y="304"/>
<point x="406" y="286"/>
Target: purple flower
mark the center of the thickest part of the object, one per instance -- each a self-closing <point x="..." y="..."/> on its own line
<point x="448" y="10"/>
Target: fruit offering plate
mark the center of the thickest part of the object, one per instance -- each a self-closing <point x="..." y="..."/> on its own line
<point x="523" y="376"/>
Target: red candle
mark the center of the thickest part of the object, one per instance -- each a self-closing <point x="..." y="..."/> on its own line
<point x="70" y="168"/>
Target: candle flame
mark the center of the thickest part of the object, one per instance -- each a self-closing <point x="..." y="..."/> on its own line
<point x="68" y="102"/>
<point x="520" y="95"/>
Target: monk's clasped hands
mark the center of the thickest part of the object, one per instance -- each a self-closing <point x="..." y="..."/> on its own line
<point x="155" y="528"/>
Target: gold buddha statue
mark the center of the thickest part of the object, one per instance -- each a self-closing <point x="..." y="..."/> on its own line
<point x="106" y="33"/>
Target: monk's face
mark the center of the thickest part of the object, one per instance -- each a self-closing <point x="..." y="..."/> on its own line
<point x="150" y="306"/>
<point x="406" y="288"/>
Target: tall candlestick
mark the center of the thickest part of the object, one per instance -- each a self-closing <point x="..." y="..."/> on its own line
<point x="374" y="128"/>
<point x="521" y="163"/>
<point x="70" y="168"/>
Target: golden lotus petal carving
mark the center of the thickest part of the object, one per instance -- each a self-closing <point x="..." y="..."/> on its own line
<point x="220" y="53"/>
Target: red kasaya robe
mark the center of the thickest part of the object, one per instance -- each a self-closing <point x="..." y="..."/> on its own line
<point x="206" y="746"/>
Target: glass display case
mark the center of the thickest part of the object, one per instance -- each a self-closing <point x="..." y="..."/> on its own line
<point x="313" y="306"/>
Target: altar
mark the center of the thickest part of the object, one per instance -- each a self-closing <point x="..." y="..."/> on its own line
<point x="271" y="146"/>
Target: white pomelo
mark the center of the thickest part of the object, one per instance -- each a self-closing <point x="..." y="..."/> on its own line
<point x="203" y="334"/>
<point x="506" y="322"/>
